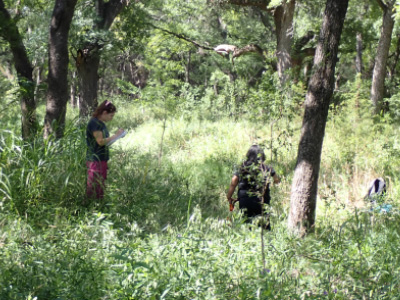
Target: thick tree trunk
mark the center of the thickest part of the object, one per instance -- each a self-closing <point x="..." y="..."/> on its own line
<point x="379" y="73"/>
<point x="9" y="31"/>
<point x="88" y="79"/>
<point x="305" y="182"/>
<point x="88" y="60"/>
<point x="283" y="17"/>
<point x="57" y="93"/>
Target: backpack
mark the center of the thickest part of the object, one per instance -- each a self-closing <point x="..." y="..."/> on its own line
<point x="376" y="190"/>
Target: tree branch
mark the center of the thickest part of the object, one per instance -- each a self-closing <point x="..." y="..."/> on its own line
<point x="9" y="31"/>
<point x="223" y="50"/>
<point x="108" y="11"/>
<point x="300" y="43"/>
<point x="246" y="49"/>
<point x="263" y="5"/>
<point x="182" y="37"/>
<point x="382" y="4"/>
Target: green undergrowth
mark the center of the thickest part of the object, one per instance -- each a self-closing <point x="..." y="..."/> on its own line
<point x="207" y="258"/>
<point x="164" y="231"/>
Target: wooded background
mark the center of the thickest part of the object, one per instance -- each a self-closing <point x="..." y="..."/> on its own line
<point x="90" y="50"/>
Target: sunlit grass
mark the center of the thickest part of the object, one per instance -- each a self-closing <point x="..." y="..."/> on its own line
<point x="164" y="230"/>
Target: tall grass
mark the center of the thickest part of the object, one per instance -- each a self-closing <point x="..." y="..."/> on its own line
<point x="164" y="230"/>
<point x="206" y="259"/>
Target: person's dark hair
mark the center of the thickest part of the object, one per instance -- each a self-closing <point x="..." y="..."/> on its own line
<point x="255" y="155"/>
<point x="104" y="106"/>
<point x="253" y="166"/>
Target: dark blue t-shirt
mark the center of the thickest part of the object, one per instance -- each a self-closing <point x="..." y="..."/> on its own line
<point x="95" y="152"/>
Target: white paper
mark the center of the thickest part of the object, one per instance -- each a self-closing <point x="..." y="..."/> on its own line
<point x="123" y="133"/>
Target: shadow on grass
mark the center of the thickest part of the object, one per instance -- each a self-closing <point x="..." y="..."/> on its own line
<point x="153" y="196"/>
<point x="156" y="196"/>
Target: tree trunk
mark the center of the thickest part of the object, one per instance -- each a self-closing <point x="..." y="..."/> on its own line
<point x="88" y="60"/>
<point x="9" y="31"/>
<point x="187" y="68"/>
<point x="395" y="60"/>
<point x="283" y="17"/>
<point x="359" y="66"/>
<point x="73" y="96"/>
<point x="57" y="93"/>
<point x="38" y="79"/>
<point x="305" y="182"/>
<point x="379" y="73"/>
<point x="88" y="79"/>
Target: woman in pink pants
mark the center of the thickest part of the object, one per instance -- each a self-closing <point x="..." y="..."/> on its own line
<point x="97" y="139"/>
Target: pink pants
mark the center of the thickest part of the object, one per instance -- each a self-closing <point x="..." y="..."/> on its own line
<point x="97" y="174"/>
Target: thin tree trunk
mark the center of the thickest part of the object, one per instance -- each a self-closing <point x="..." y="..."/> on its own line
<point x="305" y="182"/>
<point x="73" y="96"/>
<point x="187" y="67"/>
<point x="57" y="93"/>
<point x="379" y="73"/>
<point x="38" y="80"/>
<point x="9" y="31"/>
<point x="359" y="48"/>
<point x="123" y="69"/>
<point x="102" y="86"/>
<point x="160" y="154"/>
<point x="359" y="69"/>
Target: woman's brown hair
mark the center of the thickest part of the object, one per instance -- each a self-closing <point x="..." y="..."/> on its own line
<point x="104" y="106"/>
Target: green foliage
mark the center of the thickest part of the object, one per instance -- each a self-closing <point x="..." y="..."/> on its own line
<point x="162" y="232"/>
<point x="394" y="104"/>
<point x="206" y="259"/>
<point x="274" y="3"/>
<point x="127" y="88"/>
<point x="36" y="169"/>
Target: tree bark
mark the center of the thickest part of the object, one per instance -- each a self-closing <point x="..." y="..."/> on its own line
<point x="395" y="60"/>
<point x="382" y="52"/>
<point x="283" y="17"/>
<point x="88" y="80"/>
<point x="88" y="59"/>
<point x="359" y="48"/>
<point x="187" y="67"/>
<point x="38" y="81"/>
<point x="9" y="31"/>
<point x="73" y="96"/>
<point x="57" y="93"/>
<point x="320" y="89"/>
